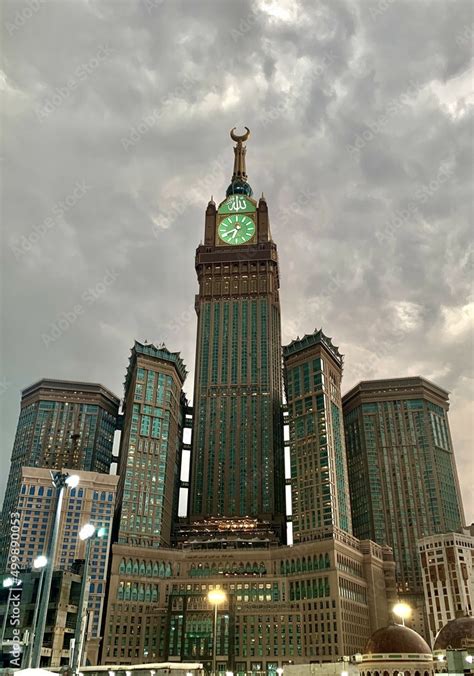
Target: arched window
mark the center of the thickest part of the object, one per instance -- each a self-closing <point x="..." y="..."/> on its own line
<point x="141" y="593"/>
<point x="147" y="593"/>
<point x="376" y="673"/>
<point x="148" y="568"/>
<point x="417" y="673"/>
<point x="126" y="596"/>
<point x="168" y="570"/>
<point x="161" y="569"/>
<point x="155" y="569"/>
<point x="134" y="592"/>
<point x="385" y="673"/>
<point x="128" y="569"/>
<point x="142" y="568"/>
<point x="122" y="566"/>
<point x="120" y="592"/>
<point x="99" y="588"/>
<point x="135" y="567"/>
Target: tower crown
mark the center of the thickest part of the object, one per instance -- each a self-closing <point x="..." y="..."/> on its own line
<point x="239" y="185"/>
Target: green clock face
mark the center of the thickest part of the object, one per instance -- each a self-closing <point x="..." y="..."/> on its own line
<point x="236" y="229"/>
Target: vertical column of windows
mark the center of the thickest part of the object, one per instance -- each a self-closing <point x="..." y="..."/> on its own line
<point x="244" y="348"/>
<point x="211" y="437"/>
<point x="225" y="342"/>
<point x="256" y="480"/>
<point x="243" y="456"/>
<point x="232" y="453"/>
<point x="215" y="343"/>
<point x="222" y="455"/>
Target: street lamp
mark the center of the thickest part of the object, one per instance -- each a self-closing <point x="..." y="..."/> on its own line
<point x="60" y="482"/>
<point x="8" y="583"/>
<point x="39" y="563"/>
<point x="87" y="533"/>
<point x="215" y="598"/>
<point x="402" y="610"/>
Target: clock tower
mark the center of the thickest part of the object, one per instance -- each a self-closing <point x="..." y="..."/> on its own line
<point x="237" y="464"/>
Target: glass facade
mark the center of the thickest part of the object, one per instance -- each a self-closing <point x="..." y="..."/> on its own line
<point x="150" y="451"/>
<point x="237" y="458"/>
<point x="402" y="473"/>
<point x="61" y="425"/>
<point x="313" y="370"/>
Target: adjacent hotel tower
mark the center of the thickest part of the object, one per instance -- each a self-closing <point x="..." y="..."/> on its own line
<point x="62" y="424"/>
<point x="402" y="472"/>
<point x="237" y="466"/>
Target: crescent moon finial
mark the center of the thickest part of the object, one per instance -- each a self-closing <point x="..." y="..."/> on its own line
<point x="239" y="139"/>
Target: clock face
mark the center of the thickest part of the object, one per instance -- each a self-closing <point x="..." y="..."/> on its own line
<point x="236" y="229"/>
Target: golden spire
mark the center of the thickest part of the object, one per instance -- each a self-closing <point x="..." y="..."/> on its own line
<point x="239" y="152"/>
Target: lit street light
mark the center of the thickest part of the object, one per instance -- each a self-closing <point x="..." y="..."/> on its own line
<point x="215" y="598"/>
<point x="60" y="482"/>
<point x="87" y="533"/>
<point x="39" y="563"/>
<point x="402" y="610"/>
<point x="8" y="583"/>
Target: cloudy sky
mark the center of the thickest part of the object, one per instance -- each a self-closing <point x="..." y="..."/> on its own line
<point x="116" y="133"/>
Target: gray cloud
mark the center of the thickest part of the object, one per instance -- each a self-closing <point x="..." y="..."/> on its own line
<point x="379" y="256"/>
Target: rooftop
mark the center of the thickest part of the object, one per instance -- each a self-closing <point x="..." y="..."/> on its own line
<point x="310" y="340"/>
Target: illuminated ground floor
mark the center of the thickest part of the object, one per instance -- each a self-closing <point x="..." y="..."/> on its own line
<point x="312" y="602"/>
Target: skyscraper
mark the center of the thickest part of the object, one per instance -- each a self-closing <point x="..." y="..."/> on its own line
<point x="237" y="465"/>
<point x="62" y="424"/>
<point x="402" y="473"/>
<point x="315" y="601"/>
<point x="93" y="501"/>
<point x="320" y="491"/>
<point x="150" y="452"/>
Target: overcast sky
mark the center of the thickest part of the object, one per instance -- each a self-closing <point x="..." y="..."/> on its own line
<point x="116" y="133"/>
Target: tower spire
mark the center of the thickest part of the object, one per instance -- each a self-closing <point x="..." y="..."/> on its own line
<point x="239" y="185"/>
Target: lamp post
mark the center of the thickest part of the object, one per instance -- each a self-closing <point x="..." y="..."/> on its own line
<point x="60" y="482"/>
<point x="402" y="610"/>
<point x="215" y="597"/>
<point x="8" y="583"/>
<point x="87" y="534"/>
<point x="39" y="563"/>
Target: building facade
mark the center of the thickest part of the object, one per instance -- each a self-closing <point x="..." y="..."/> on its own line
<point x="61" y="424"/>
<point x="402" y="473"/>
<point x="93" y="501"/>
<point x="150" y="447"/>
<point x="320" y="490"/>
<point x="237" y="463"/>
<point x="447" y="565"/>
<point x="315" y="601"/>
<point x="61" y="619"/>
